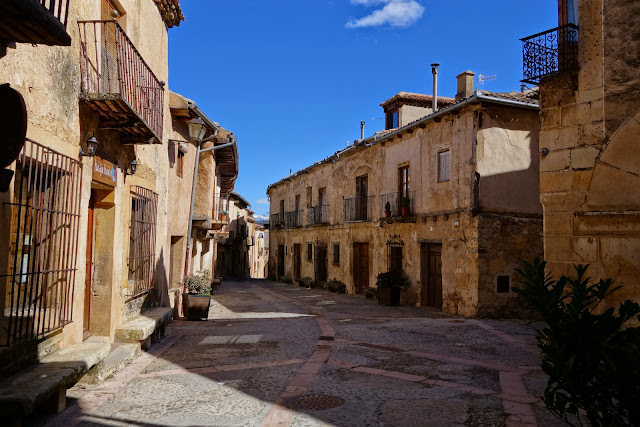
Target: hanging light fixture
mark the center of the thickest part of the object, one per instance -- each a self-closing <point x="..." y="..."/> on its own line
<point x="132" y="168"/>
<point x="197" y="128"/>
<point x="92" y="146"/>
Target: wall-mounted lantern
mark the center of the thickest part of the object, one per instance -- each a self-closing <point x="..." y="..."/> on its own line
<point x="197" y="129"/>
<point x="92" y="146"/>
<point x="132" y="168"/>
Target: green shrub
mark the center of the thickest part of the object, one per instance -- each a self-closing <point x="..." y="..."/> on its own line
<point x="392" y="279"/>
<point x="198" y="283"/>
<point x="592" y="359"/>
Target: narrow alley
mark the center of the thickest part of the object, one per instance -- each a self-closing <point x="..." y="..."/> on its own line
<point x="279" y="354"/>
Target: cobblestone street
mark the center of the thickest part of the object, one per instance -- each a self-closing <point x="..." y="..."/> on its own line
<point x="349" y="362"/>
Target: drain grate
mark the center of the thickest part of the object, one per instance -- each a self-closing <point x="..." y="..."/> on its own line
<point x="314" y="402"/>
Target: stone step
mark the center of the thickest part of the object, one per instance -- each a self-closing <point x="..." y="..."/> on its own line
<point x="119" y="357"/>
<point x="45" y="384"/>
<point x="146" y="328"/>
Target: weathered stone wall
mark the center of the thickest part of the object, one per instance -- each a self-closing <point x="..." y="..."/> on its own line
<point x="442" y="211"/>
<point x="503" y="242"/>
<point x="591" y="124"/>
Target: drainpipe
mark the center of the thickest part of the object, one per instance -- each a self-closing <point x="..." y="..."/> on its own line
<point x="193" y="191"/>
<point x="434" y="71"/>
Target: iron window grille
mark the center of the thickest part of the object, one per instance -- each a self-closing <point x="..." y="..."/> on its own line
<point x="142" y="240"/>
<point x="550" y="52"/>
<point x="394" y="253"/>
<point x="38" y="272"/>
<point x="309" y="251"/>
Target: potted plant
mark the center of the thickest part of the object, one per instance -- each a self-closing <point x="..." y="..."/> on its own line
<point x="223" y="216"/>
<point x="387" y="210"/>
<point x="405" y="206"/>
<point x="197" y="295"/>
<point x="390" y="284"/>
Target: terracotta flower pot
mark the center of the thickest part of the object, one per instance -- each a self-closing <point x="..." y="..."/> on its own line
<point x="387" y="214"/>
<point x="389" y="296"/>
<point x="406" y="211"/>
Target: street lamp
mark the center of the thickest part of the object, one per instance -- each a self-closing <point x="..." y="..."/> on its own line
<point x="197" y="129"/>
<point x="92" y="146"/>
<point x="132" y="168"/>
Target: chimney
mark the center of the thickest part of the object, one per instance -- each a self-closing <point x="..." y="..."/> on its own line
<point x="434" y="71"/>
<point x="362" y="129"/>
<point x="465" y="85"/>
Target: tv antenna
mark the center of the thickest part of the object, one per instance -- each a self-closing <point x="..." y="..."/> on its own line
<point x="482" y="78"/>
<point x="381" y="122"/>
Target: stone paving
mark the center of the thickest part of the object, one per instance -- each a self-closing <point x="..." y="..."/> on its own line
<point x="267" y="343"/>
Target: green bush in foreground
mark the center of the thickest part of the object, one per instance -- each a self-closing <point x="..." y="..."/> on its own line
<point x="592" y="360"/>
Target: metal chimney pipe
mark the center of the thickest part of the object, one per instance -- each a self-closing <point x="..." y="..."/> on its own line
<point x="362" y="129"/>
<point x="434" y="71"/>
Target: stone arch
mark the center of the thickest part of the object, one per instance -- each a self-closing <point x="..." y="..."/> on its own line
<point x="615" y="184"/>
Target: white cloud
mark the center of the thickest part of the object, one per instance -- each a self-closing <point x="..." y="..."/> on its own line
<point x="396" y="13"/>
<point x="263" y="201"/>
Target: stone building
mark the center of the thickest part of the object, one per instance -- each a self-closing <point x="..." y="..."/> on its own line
<point x="589" y="79"/>
<point x="467" y="173"/>
<point x="258" y="252"/>
<point x="234" y="251"/>
<point x="217" y="171"/>
<point x="91" y="223"/>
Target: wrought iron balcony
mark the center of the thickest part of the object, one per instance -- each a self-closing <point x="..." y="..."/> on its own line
<point x="357" y="208"/>
<point x="294" y="219"/>
<point x="317" y="215"/>
<point x="550" y="52"/>
<point x="277" y="221"/>
<point x="395" y="204"/>
<point x="118" y="83"/>
<point x="35" y="21"/>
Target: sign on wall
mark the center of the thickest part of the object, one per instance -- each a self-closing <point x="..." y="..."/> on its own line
<point x="104" y="171"/>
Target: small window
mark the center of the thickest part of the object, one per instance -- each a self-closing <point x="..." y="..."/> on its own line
<point x="180" y="164"/>
<point x="335" y="259"/>
<point x="309" y="251"/>
<point x="443" y="166"/>
<point x="395" y="263"/>
<point x="504" y="284"/>
<point x="392" y="119"/>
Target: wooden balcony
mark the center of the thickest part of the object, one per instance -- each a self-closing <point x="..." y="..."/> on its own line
<point x="35" y="21"/>
<point x="118" y="83"/>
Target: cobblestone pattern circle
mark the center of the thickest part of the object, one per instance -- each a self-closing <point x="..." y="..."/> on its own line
<point x="314" y="402"/>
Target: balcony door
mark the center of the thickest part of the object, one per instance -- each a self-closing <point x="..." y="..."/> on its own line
<point x="431" y="275"/>
<point x="362" y="191"/>
<point x="403" y="184"/>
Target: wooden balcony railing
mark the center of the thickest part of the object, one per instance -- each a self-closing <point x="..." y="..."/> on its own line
<point x="549" y="52"/>
<point x="58" y="8"/>
<point x="118" y="83"/>
<point x="34" y="21"/>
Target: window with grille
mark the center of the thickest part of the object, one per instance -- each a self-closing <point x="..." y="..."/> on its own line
<point x="309" y="251"/>
<point x="39" y="268"/>
<point x="180" y="164"/>
<point x="335" y="258"/>
<point x="394" y="253"/>
<point x="443" y="166"/>
<point x="142" y="240"/>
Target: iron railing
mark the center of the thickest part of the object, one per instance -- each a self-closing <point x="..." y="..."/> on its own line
<point x="220" y="205"/>
<point x="317" y="215"/>
<point x="111" y="65"/>
<point x="142" y="240"/>
<point x="395" y="204"/>
<point x="358" y="208"/>
<point x="58" y="8"/>
<point x="38" y="261"/>
<point x="294" y="219"/>
<point x="549" y="52"/>
<point x="277" y="220"/>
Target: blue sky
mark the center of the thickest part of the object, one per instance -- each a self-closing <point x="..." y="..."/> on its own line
<point x="293" y="78"/>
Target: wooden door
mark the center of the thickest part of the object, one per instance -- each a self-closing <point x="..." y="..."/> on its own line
<point x="280" y="261"/>
<point x="297" y="258"/>
<point x="320" y="265"/>
<point x="434" y="275"/>
<point x="362" y="190"/>
<point x="88" y="265"/>
<point x="360" y="266"/>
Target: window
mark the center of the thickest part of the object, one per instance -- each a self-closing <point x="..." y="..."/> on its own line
<point x="180" y="164"/>
<point x="322" y="199"/>
<point x="504" y="284"/>
<point x="403" y="184"/>
<point x="394" y="253"/>
<point x="38" y="272"/>
<point x="443" y="166"/>
<point x="309" y="251"/>
<point x="142" y="240"/>
<point x="309" y="196"/>
<point x="392" y="119"/>
<point x="567" y="12"/>
<point x="297" y="203"/>
<point x="335" y="256"/>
